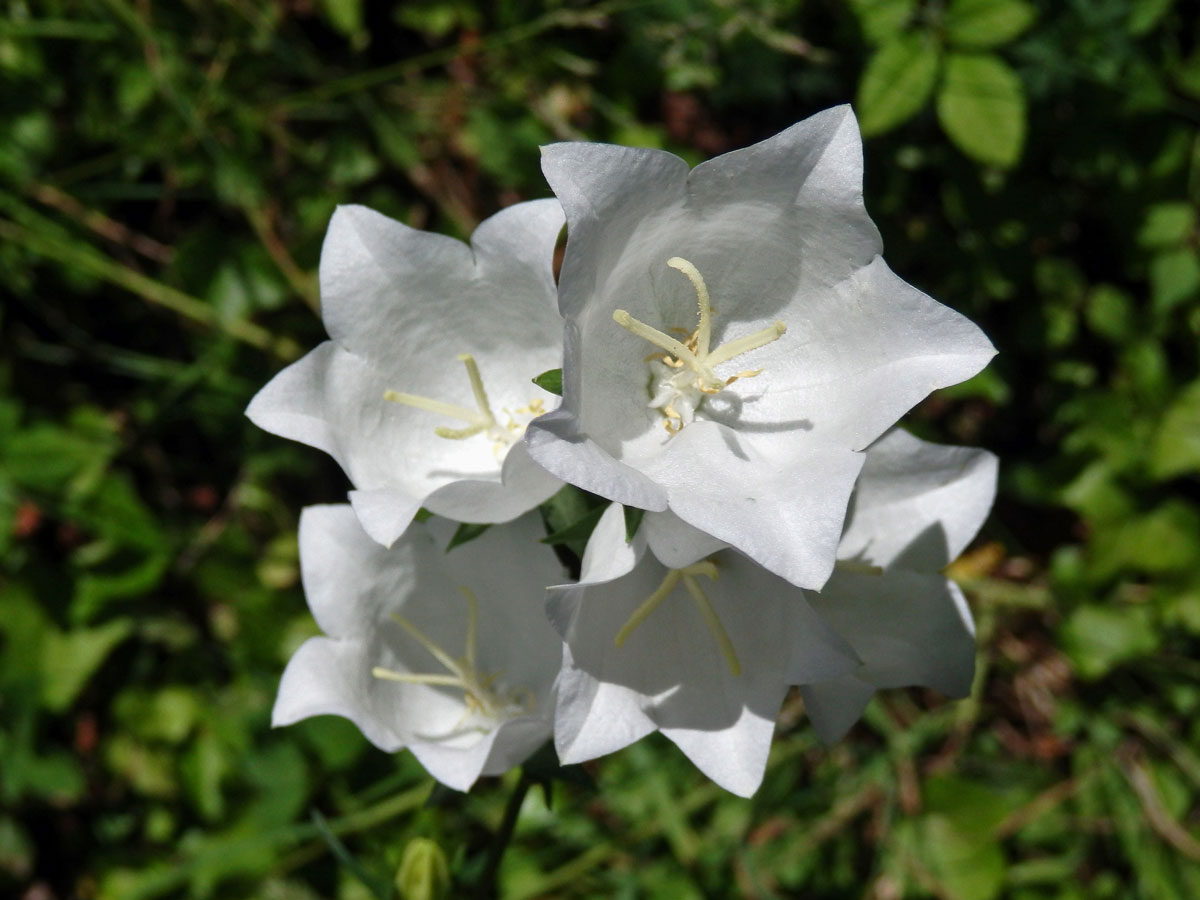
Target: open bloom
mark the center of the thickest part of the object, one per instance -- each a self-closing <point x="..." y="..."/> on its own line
<point x="733" y="337"/>
<point x="915" y="507"/>
<point x="703" y="652"/>
<point x="446" y="653"/>
<point x="424" y="392"/>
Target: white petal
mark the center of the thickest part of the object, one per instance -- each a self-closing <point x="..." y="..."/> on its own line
<point x="384" y="513"/>
<point x="780" y="499"/>
<point x="671" y="672"/>
<point x="593" y="717"/>
<point x="555" y="442"/>
<point x="908" y="628"/>
<point x="509" y="745"/>
<point x="858" y="356"/>
<point x="324" y="677"/>
<point x="608" y="555"/>
<point x="292" y="404"/>
<point x="834" y="706"/>
<point x="674" y="542"/>
<point x="523" y="485"/>
<point x="734" y="757"/>
<point x="404" y="299"/>
<point x="350" y="581"/>
<point x="917" y="504"/>
<point x="606" y="192"/>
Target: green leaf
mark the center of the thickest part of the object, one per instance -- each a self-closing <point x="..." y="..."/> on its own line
<point x="981" y="105"/>
<point x="882" y="20"/>
<point x="897" y="82"/>
<point x="1167" y="224"/>
<point x="1145" y="14"/>
<point x="633" y="521"/>
<point x="576" y="534"/>
<point x="466" y="531"/>
<point x="987" y="23"/>
<point x="1176" y="448"/>
<point x="1109" y="313"/>
<point x="551" y="381"/>
<point x="1099" y="638"/>
<point x="69" y="659"/>
<point x="1174" y="278"/>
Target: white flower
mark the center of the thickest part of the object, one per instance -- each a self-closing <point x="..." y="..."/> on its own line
<point x="915" y="507"/>
<point x="733" y="337"/>
<point x="447" y="654"/>
<point x="424" y="391"/>
<point x="703" y="652"/>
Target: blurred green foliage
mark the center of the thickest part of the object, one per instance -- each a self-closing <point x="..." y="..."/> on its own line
<point x="168" y="173"/>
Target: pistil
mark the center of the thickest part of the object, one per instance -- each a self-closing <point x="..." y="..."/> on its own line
<point x="672" y="390"/>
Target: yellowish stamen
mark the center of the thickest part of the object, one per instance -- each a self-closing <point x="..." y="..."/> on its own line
<point x="463" y="672"/>
<point x="694" y="350"/>
<point x="688" y="575"/>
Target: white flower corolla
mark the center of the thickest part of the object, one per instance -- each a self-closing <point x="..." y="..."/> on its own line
<point x="446" y="653"/>
<point x="702" y="652"/>
<point x="733" y="338"/>
<point x="423" y="392"/>
<point x="915" y="507"/>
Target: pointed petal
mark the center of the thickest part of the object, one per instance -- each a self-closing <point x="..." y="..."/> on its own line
<point x="734" y="757"/>
<point x="594" y="718"/>
<point x="780" y="499"/>
<point x="834" y="706"/>
<point x="917" y="504"/>
<point x="607" y="192"/>
<point x="863" y="353"/>
<point x="909" y="629"/>
<point x="384" y="513"/>
<point x="325" y="677"/>
<point x="608" y="555"/>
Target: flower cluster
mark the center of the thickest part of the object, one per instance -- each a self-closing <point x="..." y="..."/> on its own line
<point x="734" y="356"/>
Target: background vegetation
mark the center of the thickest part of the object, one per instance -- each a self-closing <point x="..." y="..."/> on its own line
<point x="167" y="173"/>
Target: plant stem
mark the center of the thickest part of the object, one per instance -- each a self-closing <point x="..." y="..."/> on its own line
<point x="502" y="838"/>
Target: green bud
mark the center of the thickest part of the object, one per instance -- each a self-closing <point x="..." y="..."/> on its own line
<point x="424" y="873"/>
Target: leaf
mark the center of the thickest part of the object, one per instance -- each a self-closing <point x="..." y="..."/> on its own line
<point x="882" y="20"/>
<point x="987" y="23"/>
<point x="467" y="531"/>
<point x="1109" y="313"/>
<point x="633" y="521"/>
<point x="550" y="380"/>
<point x="1176" y="448"/>
<point x="69" y="659"/>
<point x="981" y="105"/>
<point x="1174" y="277"/>
<point x="1167" y="224"/>
<point x="897" y="82"/>
<point x="1145" y="14"/>
<point x="1099" y="638"/>
<point x="576" y="534"/>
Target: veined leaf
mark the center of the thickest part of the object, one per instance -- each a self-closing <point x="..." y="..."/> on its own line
<point x="981" y="105"/>
<point x="897" y="82"/>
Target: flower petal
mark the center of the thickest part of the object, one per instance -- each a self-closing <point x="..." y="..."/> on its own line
<point x="860" y="355"/>
<point x="734" y="757"/>
<point x="523" y="485"/>
<point x="834" y="706"/>
<point x="675" y="543"/>
<point x="779" y="499"/>
<point x="917" y="504"/>
<point x="908" y="628"/>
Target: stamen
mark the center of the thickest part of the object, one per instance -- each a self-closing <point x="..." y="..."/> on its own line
<point x="481" y="398"/>
<point x="658" y="339"/>
<point x="472" y="626"/>
<point x="688" y="575"/>
<point x="434" y="650"/>
<point x="410" y="678"/>
<point x="453" y="410"/>
<point x="741" y="345"/>
<point x="704" y="331"/>
<point x="713" y="621"/>
<point x="643" y="612"/>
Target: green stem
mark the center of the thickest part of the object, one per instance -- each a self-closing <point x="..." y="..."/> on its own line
<point x="500" y="841"/>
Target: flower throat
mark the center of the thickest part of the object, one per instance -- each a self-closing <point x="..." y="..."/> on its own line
<point x="684" y="375"/>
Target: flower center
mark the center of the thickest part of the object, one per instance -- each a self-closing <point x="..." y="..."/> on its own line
<point x="480" y="693"/>
<point x="684" y="374"/>
<point x="687" y="575"/>
<point x="479" y="421"/>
